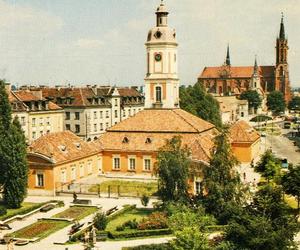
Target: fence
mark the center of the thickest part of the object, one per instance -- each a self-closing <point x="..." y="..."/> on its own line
<point x="109" y="191"/>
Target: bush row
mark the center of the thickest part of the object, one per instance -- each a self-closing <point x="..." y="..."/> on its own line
<point x="164" y="246"/>
<point x="138" y="233"/>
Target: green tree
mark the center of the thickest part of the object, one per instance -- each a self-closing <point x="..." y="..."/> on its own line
<point x="253" y="98"/>
<point x="291" y="182"/>
<point x="265" y="224"/>
<point x="276" y="102"/>
<point x="221" y="181"/>
<point x="190" y="238"/>
<point x="14" y="169"/>
<point x="172" y="169"/>
<point x="100" y="221"/>
<point x="196" y="100"/>
<point x="294" y="104"/>
<point x="268" y="166"/>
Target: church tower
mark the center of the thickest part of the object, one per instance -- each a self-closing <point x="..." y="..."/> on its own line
<point x="161" y="82"/>
<point x="282" y="82"/>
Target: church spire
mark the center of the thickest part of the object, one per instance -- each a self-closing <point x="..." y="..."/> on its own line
<point x="282" y="33"/>
<point x="255" y="69"/>
<point x="228" y="56"/>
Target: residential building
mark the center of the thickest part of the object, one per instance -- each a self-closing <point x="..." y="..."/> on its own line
<point x="232" y="109"/>
<point x="57" y="160"/>
<point x="37" y="115"/>
<point x="90" y="111"/>
<point x="245" y="142"/>
<point x="232" y="80"/>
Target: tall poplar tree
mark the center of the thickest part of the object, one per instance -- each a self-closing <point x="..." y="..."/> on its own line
<point x="14" y="169"/>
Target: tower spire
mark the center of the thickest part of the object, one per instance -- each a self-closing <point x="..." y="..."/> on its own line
<point x="282" y="32"/>
<point x="255" y="71"/>
<point x="228" y="56"/>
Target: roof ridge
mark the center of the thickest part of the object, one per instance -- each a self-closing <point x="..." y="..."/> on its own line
<point x="208" y="156"/>
<point x="173" y="110"/>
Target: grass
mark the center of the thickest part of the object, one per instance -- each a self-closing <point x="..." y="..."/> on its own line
<point x="135" y="213"/>
<point x="40" y="229"/>
<point x="25" y="208"/>
<point x="127" y="188"/>
<point x="76" y="212"/>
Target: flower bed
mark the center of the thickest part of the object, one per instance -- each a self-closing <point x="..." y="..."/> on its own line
<point x="41" y="229"/>
<point x="76" y="212"/>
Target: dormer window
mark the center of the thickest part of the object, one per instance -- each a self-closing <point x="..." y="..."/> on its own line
<point x="148" y="140"/>
<point x="63" y="148"/>
<point x="78" y="146"/>
<point x="125" y="140"/>
<point x="158" y="34"/>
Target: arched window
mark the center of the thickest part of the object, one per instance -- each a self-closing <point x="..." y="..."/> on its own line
<point x="158" y="93"/>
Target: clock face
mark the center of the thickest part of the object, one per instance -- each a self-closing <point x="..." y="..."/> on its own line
<point x="158" y="57"/>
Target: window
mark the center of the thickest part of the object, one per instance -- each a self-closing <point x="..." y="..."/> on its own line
<point x="23" y="121"/>
<point x="101" y="126"/>
<point x="101" y="114"/>
<point x="33" y="135"/>
<point x="147" y="164"/>
<point x="68" y="127"/>
<point x="68" y="116"/>
<point x="81" y="171"/>
<point x="63" y="176"/>
<point x="77" y="128"/>
<point x="41" y="133"/>
<point x="132" y="163"/>
<point x="106" y="114"/>
<point x="95" y="114"/>
<point x="198" y="187"/>
<point x="77" y="116"/>
<point x="134" y="111"/>
<point x="116" y="163"/>
<point x="107" y="125"/>
<point x="89" y="167"/>
<point x="124" y="113"/>
<point x="125" y="140"/>
<point x="242" y="114"/>
<point x="129" y="112"/>
<point x="116" y="113"/>
<point x="33" y="122"/>
<point x="41" y="121"/>
<point x="48" y="131"/>
<point x="40" y="179"/>
<point x="116" y="102"/>
<point x="95" y="127"/>
<point x="158" y="94"/>
<point x="48" y="121"/>
<point x="73" y="173"/>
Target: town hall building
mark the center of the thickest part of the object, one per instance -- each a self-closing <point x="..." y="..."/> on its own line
<point x="233" y="80"/>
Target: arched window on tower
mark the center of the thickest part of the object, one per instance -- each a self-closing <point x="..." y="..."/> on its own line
<point x="281" y="72"/>
<point x="158" y="93"/>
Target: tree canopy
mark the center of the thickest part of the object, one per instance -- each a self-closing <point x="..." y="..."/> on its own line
<point x="294" y="104"/>
<point x="172" y="169"/>
<point x="253" y="98"/>
<point x="276" y="102"/>
<point x="196" y="100"/>
<point x="14" y="169"/>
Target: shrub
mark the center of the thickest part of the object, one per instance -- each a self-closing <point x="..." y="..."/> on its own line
<point x="138" y="233"/>
<point x="156" y="220"/>
<point x="120" y="228"/>
<point x="100" y="221"/>
<point x="3" y="210"/>
<point x="132" y="224"/>
<point x="145" y="200"/>
<point x="163" y="246"/>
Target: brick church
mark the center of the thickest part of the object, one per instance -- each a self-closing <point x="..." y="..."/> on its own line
<point x="231" y="80"/>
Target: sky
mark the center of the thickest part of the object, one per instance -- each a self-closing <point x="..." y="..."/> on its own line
<point x="58" y="42"/>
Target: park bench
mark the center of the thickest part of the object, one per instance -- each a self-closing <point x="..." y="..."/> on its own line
<point x="47" y="208"/>
<point x="4" y="226"/>
<point x="82" y="202"/>
<point x="110" y="211"/>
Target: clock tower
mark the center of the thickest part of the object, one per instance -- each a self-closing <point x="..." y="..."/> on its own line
<point x="161" y="82"/>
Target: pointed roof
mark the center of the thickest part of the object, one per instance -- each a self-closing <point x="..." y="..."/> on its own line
<point x="228" y="56"/>
<point x="242" y="132"/>
<point x="255" y="70"/>
<point x="282" y="32"/>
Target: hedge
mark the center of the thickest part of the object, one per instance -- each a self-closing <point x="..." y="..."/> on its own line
<point x="120" y="212"/>
<point x="211" y="229"/>
<point x="138" y="233"/>
<point x="163" y="246"/>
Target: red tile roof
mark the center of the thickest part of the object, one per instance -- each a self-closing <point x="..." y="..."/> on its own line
<point x="236" y="72"/>
<point x="242" y="132"/>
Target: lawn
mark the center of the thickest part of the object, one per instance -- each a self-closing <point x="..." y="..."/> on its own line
<point x="40" y="229"/>
<point x="76" y="212"/>
<point x="135" y="213"/>
<point x="25" y="208"/>
<point x="127" y="188"/>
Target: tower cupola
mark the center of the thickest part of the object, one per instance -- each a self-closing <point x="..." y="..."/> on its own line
<point x="162" y="15"/>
